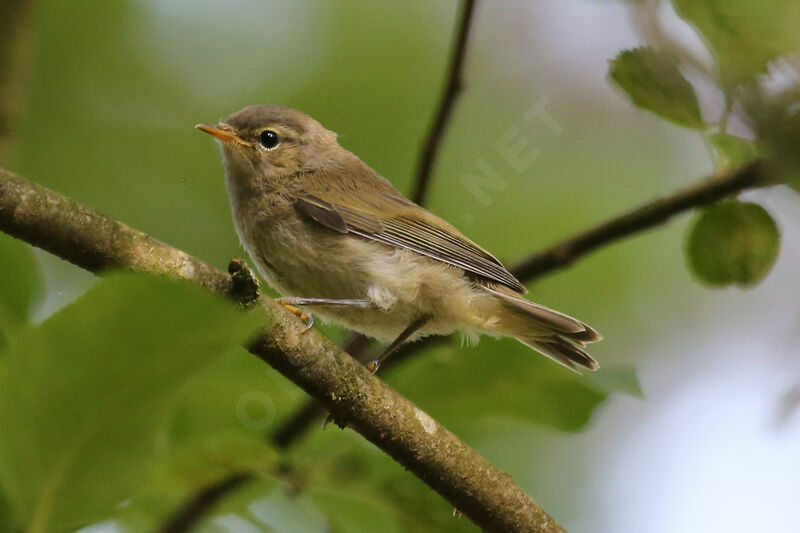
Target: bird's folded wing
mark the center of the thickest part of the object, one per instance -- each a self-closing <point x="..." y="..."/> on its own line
<point x="399" y="222"/>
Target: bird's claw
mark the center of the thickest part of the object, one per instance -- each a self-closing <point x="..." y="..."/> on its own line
<point x="341" y="422"/>
<point x="305" y="316"/>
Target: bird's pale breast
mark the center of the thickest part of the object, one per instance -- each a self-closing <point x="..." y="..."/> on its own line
<point x="401" y="285"/>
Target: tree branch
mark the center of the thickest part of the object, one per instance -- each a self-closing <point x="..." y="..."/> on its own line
<point x="561" y="255"/>
<point x="312" y="411"/>
<point x="488" y="496"/>
<point x="430" y="145"/>
<point x="644" y="217"/>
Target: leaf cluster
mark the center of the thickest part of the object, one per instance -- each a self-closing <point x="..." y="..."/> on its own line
<point x="752" y="44"/>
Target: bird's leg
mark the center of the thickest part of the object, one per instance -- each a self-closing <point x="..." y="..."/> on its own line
<point x="325" y="302"/>
<point x="403" y="337"/>
<point x="291" y="303"/>
<point x="375" y="364"/>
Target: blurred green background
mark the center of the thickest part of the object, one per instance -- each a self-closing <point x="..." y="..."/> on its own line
<point x="111" y="96"/>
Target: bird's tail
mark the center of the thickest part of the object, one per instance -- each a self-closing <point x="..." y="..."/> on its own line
<point x="556" y="335"/>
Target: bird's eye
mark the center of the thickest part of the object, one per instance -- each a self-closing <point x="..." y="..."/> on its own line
<point x="268" y="139"/>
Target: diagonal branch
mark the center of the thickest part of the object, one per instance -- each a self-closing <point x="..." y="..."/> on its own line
<point x="648" y="215"/>
<point x="563" y="254"/>
<point x="432" y="142"/>
<point x="488" y="496"/>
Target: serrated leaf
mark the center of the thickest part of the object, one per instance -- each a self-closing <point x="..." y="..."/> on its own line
<point x="83" y="395"/>
<point x="652" y="80"/>
<point x="744" y="36"/>
<point x="732" y="243"/>
<point x="732" y="152"/>
<point x="20" y="282"/>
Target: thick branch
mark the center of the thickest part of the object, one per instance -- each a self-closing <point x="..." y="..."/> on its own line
<point x="430" y="145"/>
<point x="561" y="255"/>
<point x="488" y="496"/>
<point x="312" y="411"/>
<point x="90" y="239"/>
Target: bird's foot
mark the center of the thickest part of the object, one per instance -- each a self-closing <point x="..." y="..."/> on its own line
<point x="331" y="418"/>
<point x="305" y="316"/>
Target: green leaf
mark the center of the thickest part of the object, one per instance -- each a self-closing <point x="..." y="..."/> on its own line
<point x="777" y="125"/>
<point x="732" y="243"/>
<point x="732" y="152"/>
<point x="20" y="284"/>
<point x="191" y="468"/>
<point x="83" y="395"/>
<point x="354" y="484"/>
<point x="651" y="79"/>
<point x="349" y="510"/>
<point x="520" y="383"/>
<point x="6" y="514"/>
<point x="238" y="394"/>
<point x="744" y="36"/>
<point x="616" y="379"/>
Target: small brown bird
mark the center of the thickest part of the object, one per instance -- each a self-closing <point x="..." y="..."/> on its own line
<point x="330" y="232"/>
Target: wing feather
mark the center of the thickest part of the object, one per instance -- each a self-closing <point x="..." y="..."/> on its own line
<point x="323" y="212"/>
<point x="404" y="224"/>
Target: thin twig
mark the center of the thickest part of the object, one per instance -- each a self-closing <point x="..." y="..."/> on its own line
<point x="566" y="252"/>
<point x="432" y="142"/>
<point x="644" y="217"/>
<point x="15" y="53"/>
<point x="488" y="496"/>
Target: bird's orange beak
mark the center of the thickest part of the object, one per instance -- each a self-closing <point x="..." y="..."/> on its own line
<point x="222" y="133"/>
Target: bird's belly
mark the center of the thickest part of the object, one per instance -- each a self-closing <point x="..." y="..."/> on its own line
<point x="399" y="285"/>
<point x="307" y="262"/>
